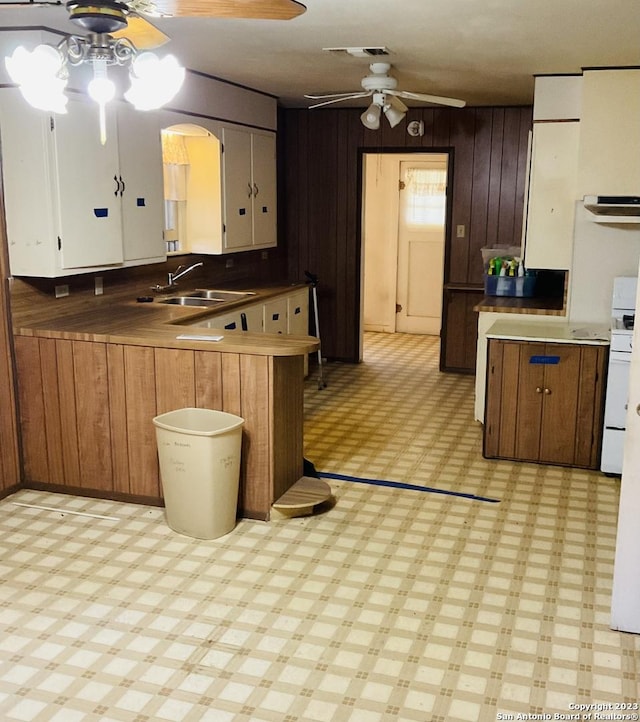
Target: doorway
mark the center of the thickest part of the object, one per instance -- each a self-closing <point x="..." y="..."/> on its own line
<point x="404" y="201"/>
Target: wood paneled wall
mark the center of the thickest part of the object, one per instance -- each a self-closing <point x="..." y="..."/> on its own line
<point x="320" y="197"/>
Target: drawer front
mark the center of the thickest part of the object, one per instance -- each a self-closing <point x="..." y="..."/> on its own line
<point x="622" y="342"/>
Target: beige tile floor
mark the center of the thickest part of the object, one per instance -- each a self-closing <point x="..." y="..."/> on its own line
<point x="396" y="604"/>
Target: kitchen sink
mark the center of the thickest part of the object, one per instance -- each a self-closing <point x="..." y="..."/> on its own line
<point x="192" y="301"/>
<point x="214" y="294"/>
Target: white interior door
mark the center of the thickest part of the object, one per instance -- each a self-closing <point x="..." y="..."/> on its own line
<point x="421" y="240"/>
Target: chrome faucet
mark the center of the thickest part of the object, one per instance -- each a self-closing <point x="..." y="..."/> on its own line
<point x="180" y="272"/>
<point x="173" y="277"/>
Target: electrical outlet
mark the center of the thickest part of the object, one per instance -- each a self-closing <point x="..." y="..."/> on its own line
<point x="99" y="287"/>
<point x="460" y="231"/>
<point x="229" y="263"/>
<point x="62" y="291"/>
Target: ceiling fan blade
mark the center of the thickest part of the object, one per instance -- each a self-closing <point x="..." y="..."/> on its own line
<point x="252" y="9"/>
<point x="338" y="100"/>
<point x="357" y="94"/>
<point x="30" y="3"/>
<point x="438" y="99"/>
<point x="143" y="34"/>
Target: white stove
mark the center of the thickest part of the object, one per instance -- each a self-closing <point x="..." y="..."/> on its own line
<point x="623" y="308"/>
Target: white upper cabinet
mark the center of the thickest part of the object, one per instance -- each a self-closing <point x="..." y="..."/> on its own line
<point x="609" y="161"/>
<point x="552" y="193"/>
<point x="229" y="189"/>
<point x="557" y="97"/>
<point x="552" y="188"/>
<point x="141" y="191"/>
<point x="249" y="179"/>
<point x="70" y="206"/>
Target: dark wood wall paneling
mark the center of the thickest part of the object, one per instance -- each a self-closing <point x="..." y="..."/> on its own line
<point x="321" y="159"/>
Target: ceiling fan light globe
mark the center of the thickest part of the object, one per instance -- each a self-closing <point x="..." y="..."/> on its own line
<point x="371" y="117"/>
<point x="154" y="82"/>
<point x="50" y="98"/>
<point x="43" y="63"/>
<point x="393" y="115"/>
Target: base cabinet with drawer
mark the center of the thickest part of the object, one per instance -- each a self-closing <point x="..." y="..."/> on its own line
<point x="544" y="402"/>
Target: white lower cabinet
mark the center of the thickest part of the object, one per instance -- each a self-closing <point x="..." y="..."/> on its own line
<point x="286" y="314"/>
<point x="72" y="204"/>
<point x="247" y="318"/>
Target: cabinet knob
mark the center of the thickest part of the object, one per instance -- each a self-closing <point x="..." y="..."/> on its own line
<point x="256" y="190"/>
<point x="638" y="409"/>
<point x="250" y="193"/>
<point x="538" y="390"/>
<point x="547" y="391"/>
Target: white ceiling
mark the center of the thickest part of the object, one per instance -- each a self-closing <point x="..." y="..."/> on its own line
<point x="483" y="51"/>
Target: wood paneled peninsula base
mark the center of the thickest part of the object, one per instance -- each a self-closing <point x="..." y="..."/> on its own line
<point x="87" y="400"/>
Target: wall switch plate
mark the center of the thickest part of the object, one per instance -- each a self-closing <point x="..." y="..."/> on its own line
<point x="99" y="286"/>
<point x="229" y="263"/>
<point x="460" y="231"/>
<point x="62" y="291"/>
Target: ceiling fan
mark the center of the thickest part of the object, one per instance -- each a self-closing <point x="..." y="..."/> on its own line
<point x="382" y="89"/>
<point x="116" y="32"/>
<point x="127" y="17"/>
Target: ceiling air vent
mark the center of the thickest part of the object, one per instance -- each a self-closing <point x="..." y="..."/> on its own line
<point x="361" y="52"/>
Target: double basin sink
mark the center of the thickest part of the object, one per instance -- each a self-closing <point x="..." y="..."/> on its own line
<point x="207" y="297"/>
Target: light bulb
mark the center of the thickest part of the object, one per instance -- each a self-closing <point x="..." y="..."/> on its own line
<point x="102" y="90"/>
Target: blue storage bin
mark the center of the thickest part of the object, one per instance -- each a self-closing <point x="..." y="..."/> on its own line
<point x="517" y="286"/>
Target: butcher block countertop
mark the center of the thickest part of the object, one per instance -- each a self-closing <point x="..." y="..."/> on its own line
<point x="123" y="320"/>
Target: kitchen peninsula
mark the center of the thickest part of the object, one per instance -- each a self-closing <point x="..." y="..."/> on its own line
<point x="92" y="375"/>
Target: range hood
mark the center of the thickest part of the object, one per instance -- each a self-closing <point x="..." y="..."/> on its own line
<point x="613" y="209"/>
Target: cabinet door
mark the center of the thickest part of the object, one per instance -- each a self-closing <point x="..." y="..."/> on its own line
<point x="264" y="189"/>
<point x="141" y="191"/>
<point x="275" y="316"/>
<point x="86" y="174"/>
<point x="238" y="189"/>
<point x="298" y="313"/>
<point x="560" y="406"/>
<point x="610" y="132"/>
<point x="529" y="393"/>
<point x="459" y="330"/>
<point x="27" y="184"/>
<point x="552" y="195"/>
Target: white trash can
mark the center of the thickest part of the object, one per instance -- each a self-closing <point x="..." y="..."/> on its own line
<point x="199" y="454"/>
